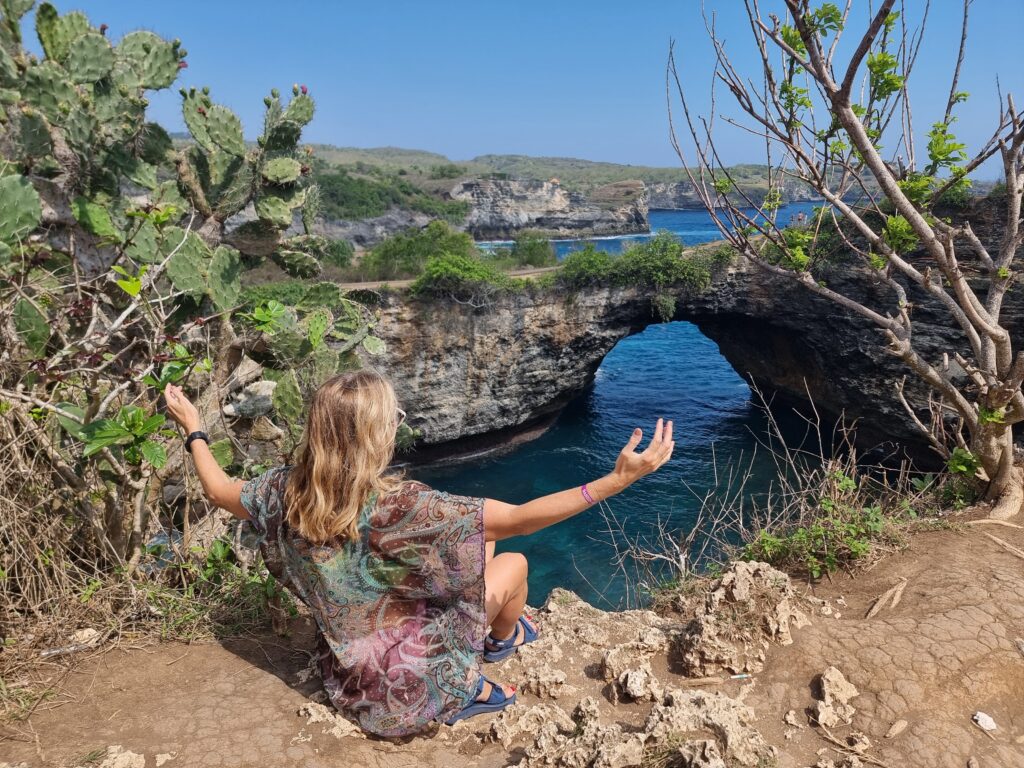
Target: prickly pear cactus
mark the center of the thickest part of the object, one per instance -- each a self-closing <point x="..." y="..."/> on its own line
<point x="296" y="263"/>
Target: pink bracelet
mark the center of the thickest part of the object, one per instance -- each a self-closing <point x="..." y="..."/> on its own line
<point x="586" y="494"/>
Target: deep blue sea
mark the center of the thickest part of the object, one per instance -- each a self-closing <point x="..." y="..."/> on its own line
<point x="669" y="370"/>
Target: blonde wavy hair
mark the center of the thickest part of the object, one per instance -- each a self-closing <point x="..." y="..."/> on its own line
<point x="348" y="445"/>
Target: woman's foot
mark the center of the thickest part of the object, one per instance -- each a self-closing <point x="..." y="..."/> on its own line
<point x="496" y="649"/>
<point x="490" y="698"/>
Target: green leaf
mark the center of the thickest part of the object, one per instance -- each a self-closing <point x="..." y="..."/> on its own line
<point x="154" y="453"/>
<point x="31" y="326"/>
<point x="223" y="452"/>
<point x="73" y="428"/>
<point x="103" y="433"/>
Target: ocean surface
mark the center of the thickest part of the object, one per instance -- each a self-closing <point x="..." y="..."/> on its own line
<point x="669" y="370"/>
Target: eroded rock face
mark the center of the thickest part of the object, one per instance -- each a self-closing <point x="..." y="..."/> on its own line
<point x="680" y="195"/>
<point x="751" y="605"/>
<point x="503" y="207"/>
<point x="465" y="372"/>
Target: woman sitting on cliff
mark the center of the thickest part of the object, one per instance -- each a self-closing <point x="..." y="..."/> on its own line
<point x="401" y="579"/>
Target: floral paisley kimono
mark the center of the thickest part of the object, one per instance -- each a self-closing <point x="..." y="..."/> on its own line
<point x="399" y="611"/>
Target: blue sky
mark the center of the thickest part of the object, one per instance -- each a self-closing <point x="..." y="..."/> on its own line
<point x="563" y="77"/>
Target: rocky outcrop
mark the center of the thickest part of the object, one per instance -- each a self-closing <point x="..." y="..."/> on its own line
<point x="503" y="207"/>
<point x="465" y="372"/>
<point x="366" y="233"/>
<point x="680" y="195"/>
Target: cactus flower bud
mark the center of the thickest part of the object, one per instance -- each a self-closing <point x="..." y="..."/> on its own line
<point x="295" y="89"/>
<point x="103" y="29"/>
<point x="182" y="53"/>
<point x="275" y="93"/>
<point x="206" y="90"/>
<point x="304" y="169"/>
<point x="183" y="65"/>
<point x="267" y="101"/>
<point x="304" y="90"/>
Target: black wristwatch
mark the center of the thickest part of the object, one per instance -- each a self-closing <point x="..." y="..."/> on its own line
<point x="196" y="436"/>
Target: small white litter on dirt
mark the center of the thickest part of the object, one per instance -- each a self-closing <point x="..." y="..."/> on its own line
<point x="166" y="757"/>
<point x="985" y="722"/>
<point x="87" y="636"/>
<point x="119" y="757"/>
<point x="896" y="729"/>
<point x="791" y="718"/>
<point x="302" y="737"/>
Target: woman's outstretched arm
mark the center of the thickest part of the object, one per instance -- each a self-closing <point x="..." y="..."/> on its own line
<point x="220" y="489"/>
<point x="503" y="520"/>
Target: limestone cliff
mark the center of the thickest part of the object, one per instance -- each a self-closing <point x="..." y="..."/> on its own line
<point x="502" y="207"/>
<point x="467" y="372"/>
<point x="680" y="195"/>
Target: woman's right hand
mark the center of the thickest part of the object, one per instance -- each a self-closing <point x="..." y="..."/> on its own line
<point x="631" y="466"/>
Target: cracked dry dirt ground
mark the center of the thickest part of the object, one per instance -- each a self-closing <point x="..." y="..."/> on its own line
<point x="947" y="650"/>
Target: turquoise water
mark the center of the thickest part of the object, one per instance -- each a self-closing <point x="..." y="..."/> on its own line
<point x="669" y="370"/>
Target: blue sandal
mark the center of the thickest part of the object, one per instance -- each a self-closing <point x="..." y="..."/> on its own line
<point x="495" y="702"/>
<point x="496" y="650"/>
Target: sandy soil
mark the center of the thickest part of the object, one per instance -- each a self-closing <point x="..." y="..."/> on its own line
<point x="947" y="650"/>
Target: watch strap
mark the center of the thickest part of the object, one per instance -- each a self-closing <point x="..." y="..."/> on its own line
<point x="196" y="436"/>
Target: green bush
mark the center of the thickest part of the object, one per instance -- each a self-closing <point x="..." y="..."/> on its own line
<point x="464" y="278"/>
<point x="585" y="267"/>
<point x="445" y="171"/>
<point x="339" y="253"/>
<point x="533" y="250"/>
<point x="660" y="262"/>
<point x="344" y="196"/>
<point x="406" y="255"/>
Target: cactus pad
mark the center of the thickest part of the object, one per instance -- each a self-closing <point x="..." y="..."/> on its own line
<point x="90" y="58"/>
<point x="47" y="89"/>
<point x="287" y="398"/>
<point x="223" y="284"/>
<point x="34" y="134"/>
<point x="33" y="327"/>
<point x="8" y="70"/>
<point x="143" y="245"/>
<point x="296" y="263"/>
<point x="225" y="129"/>
<point x="191" y="103"/>
<point x="277" y="208"/>
<point x="311" y="207"/>
<point x="57" y="33"/>
<point x="80" y="129"/>
<point x="157" y="147"/>
<point x="20" y="210"/>
<point x="187" y="269"/>
<point x="282" y="170"/>
<point x="317" y="322"/>
<point x="322" y="294"/>
<point x="153" y="59"/>
<point x="300" y="110"/>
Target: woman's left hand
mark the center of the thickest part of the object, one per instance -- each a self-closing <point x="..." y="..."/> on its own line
<point x="181" y="409"/>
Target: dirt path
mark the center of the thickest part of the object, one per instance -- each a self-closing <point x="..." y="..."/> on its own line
<point x="944" y="652"/>
<point x="374" y="284"/>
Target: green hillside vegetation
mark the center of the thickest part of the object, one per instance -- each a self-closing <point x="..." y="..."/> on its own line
<point x="434" y="172"/>
<point x="363" y="191"/>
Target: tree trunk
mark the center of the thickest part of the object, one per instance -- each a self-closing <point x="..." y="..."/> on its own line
<point x="1006" y="485"/>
